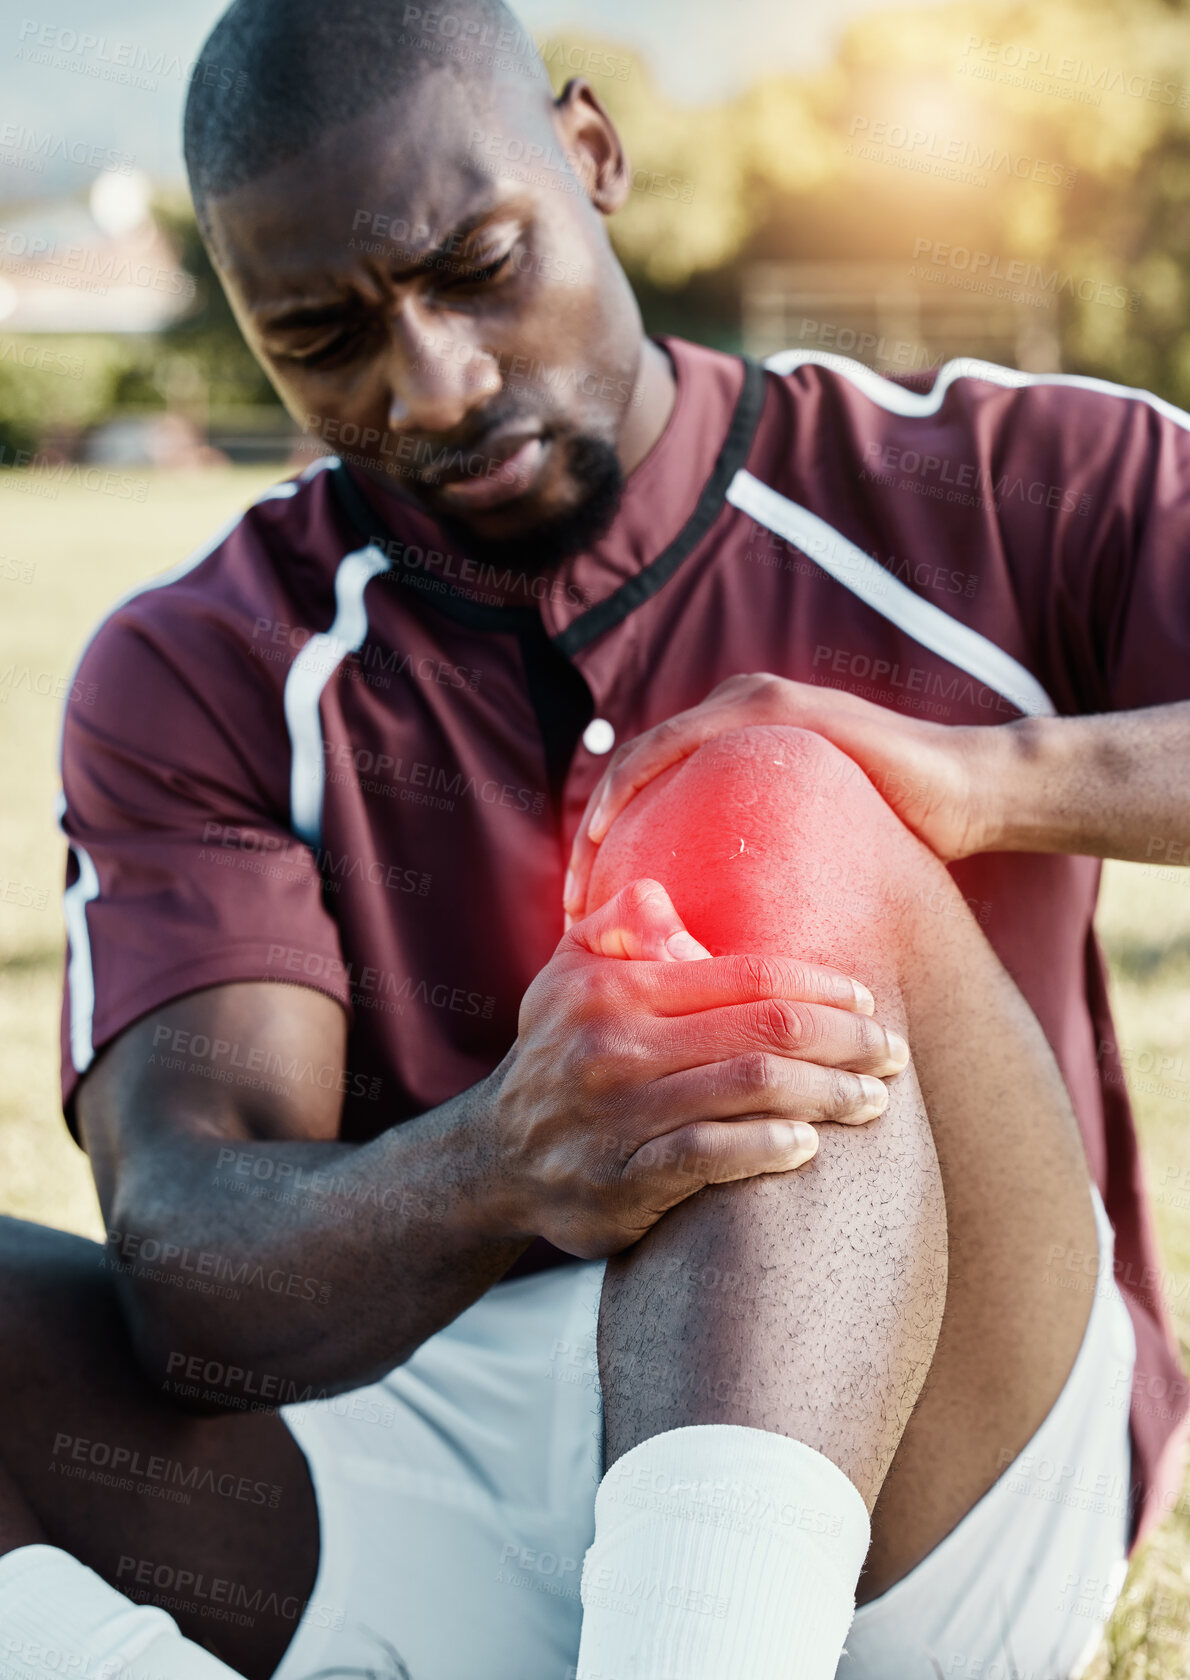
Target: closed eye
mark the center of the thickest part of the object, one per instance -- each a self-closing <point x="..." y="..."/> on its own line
<point x="339" y="347"/>
<point x="477" y="276"/>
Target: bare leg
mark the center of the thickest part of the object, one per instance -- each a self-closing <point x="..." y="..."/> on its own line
<point x="72" y="1396"/>
<point x="809" y="1304"/>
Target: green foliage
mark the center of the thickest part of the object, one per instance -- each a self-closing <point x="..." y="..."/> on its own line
<point x="62" y="383"/>
<point x="208" y="337"/>
<point x="1094" y="91"/>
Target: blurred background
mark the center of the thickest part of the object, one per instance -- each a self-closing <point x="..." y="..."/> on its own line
<point x="899" y="185"/>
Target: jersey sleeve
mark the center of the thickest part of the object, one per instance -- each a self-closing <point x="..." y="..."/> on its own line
<point x="182" y="872"/>
<point x="1119" y="588"/>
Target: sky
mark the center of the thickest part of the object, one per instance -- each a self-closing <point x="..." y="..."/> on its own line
<point x="52" y="84"/>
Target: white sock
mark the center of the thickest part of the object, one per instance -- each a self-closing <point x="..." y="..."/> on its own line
<point x="721" y="1553"/>
<point x="58" y="1618"/>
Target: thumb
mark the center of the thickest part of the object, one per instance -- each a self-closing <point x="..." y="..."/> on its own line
<point x="640" y="922"/>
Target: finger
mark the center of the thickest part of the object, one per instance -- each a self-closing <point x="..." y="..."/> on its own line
<point x="758" y="1085"/>
<point x="635" y="765"/>
<point x="809" y="1032"/>
<point x="644" y="759"/>
<point x="639" y="923"/>
<point x="578" y="871"/>
<point x="711" y="1152"/>
<point x="678" y="990"/>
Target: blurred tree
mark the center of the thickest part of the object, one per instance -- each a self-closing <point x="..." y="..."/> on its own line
<point x="208" y="337"/>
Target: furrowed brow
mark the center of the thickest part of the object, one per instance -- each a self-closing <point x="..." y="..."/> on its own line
<point x="452" y="243"/>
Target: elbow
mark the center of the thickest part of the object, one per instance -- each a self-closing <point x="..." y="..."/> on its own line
<point x="173" y="1348"/>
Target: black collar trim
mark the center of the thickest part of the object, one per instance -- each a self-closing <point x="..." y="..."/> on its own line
<point x="636" y="590"/>
<point x="599" y="619"/>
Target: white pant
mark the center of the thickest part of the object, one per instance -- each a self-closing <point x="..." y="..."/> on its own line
<point x="455" y="1503"/>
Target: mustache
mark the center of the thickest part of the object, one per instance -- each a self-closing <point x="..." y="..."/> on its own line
<point x="497" y="435"/>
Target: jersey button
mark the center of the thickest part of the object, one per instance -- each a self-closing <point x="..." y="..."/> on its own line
<point x="599" y="737"/>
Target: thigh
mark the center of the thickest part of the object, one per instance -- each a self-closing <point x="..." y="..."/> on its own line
<point x="211" y="1518"/>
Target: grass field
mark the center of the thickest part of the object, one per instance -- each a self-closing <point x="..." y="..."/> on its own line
<point x="67" y="552"/>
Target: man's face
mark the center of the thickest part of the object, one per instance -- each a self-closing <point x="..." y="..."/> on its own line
<point x="433" y="295"/>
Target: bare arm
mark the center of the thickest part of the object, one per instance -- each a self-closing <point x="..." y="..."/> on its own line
<point x="1113" y="786"/>
<point x="246" y="1235"/>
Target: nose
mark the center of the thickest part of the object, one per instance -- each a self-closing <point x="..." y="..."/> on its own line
<point x="437" y="377"/>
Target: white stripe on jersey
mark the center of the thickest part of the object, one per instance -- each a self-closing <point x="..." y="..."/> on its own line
<point x="309" y="675"/>
<point x="863" y="575"/>
<point x="887" y="595"/>
<point x="918" y="405"/>
<point x="79" y="974"/>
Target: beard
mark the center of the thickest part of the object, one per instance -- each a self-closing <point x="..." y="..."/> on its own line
<point x="595" y="469"/>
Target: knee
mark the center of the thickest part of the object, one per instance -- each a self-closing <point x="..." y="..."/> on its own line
<point x="768" y="800"/>
<point x="769" y="829"/>
<point x="777" y="768"/>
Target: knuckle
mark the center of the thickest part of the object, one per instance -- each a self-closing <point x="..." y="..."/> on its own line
<point x="597" y="991"/>
<point x="764" y="975"/>
<point x="668" y="1156"/>
<point x="871" y="1040"/>
<point x="780" y="1022"/>
<point x="641" y="894"/>
<point x="591" y="1050"/>
<point x="754" y="1073"/>
<point x="845" y="1092"/>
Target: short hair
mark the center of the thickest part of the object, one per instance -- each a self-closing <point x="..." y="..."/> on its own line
<point x="275" y="75"/>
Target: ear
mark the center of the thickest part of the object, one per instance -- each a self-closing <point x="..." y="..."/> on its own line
<point x="590" y="141"/>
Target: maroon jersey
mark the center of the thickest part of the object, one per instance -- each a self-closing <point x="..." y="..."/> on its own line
<point x="318" y="754"/>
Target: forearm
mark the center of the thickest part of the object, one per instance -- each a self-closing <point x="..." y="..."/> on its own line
<point x="1113" y="786"/>
<point x="308" y="1265"/>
